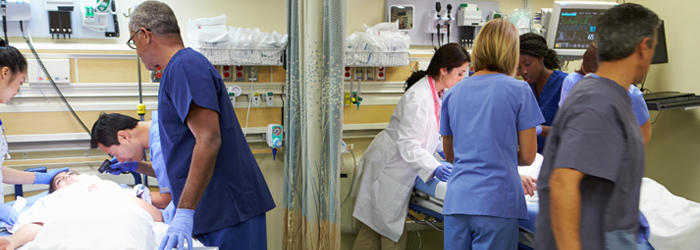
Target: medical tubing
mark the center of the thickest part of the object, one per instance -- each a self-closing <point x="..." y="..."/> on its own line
<point x="138" y="68"/>
<point x="38" y="85"/>
<point x="352" y="183"/>
<point x="38" y="60"/>
<point x="247" y="116"/>
<point x="4" y="21"/>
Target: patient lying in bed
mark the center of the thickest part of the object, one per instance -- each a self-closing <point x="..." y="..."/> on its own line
<point x="85" y="212"/>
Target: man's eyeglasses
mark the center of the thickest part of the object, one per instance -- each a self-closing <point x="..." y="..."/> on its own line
<point x="131" y="42"/>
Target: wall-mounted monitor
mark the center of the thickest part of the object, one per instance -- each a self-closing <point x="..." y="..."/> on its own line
<point x="660" y="54"/>
<point x="573" y="26"/>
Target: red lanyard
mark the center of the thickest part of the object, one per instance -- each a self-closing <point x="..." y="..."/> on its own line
<point x="435" y="101"/>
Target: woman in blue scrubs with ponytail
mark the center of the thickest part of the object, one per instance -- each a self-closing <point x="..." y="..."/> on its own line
<point x="539" y="67"/>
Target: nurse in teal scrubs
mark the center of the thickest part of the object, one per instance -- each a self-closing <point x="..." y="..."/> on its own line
<point x="539" y="67"/>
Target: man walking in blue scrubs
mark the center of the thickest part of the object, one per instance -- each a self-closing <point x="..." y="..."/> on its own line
<point x="217" y="186"/>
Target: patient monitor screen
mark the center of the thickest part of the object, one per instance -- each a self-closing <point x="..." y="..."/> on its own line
<point x="576" y="28"/>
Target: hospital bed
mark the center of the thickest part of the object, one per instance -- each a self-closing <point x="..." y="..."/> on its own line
<point x="34" y="198"/>
<point x="428" y="197"/>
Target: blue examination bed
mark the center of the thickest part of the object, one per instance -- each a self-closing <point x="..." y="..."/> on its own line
<point x="428" y="197"/>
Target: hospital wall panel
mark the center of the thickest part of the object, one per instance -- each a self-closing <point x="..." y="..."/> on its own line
<point x="110" y="70"/>
<point x="64" y="122"/>
<point x="367" y="114"/>
<point x="371" y="12"/>
<point x="672" y="157"/>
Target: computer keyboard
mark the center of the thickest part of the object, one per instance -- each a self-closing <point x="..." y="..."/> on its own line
<point x="674" y="102"/>
<point x="679" y="99"/>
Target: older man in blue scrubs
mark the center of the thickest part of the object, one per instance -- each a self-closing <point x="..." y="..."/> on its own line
<point x="217" y="186"/>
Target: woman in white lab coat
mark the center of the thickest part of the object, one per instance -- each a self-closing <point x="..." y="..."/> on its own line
<point x="405" y="150"/>
<point x="13" y="71"/>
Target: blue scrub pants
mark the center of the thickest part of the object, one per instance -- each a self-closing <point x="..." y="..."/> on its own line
<point x="250" y="234"/>
<point x="477" y="232"/>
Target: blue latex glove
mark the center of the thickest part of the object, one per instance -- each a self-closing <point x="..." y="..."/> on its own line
<point x="8" y="214"/>
<point x="443" y="172"/>
<point x="118" y="168"/>
<point x="179" y="231"/>
<point x="169" y="213"/>
<point x="442" y="154"/>
<point x="45" y="178"/>
<point x="643" y="228"/>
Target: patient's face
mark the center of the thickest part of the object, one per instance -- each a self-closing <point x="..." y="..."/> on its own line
<point x="64" y="179"/>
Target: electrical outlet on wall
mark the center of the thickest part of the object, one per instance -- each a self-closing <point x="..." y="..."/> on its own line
<point x="252" y="73"/>
<point x="238" y="73"/>
<point x="370" y="74"/>
<point x="381" y="74"/>
<point x="157" y="74"/>
<point x="256" y="99"/>
<point x="227" y="73"/>
<point x="348" y="73"/>
<point x="359" y="73"/>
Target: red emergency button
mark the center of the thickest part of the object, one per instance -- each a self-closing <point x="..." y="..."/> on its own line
<point x="347" y="74"/>
<point x="227" y="75"/>
<point x="239" y="68"/>
<point x="227" y="68"/>
<point x="380" y="74"/>
<point x="239" y="75"/>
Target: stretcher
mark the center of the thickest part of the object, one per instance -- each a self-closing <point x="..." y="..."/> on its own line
<point x="428" y="197"/>
<point x="34" y="198"/>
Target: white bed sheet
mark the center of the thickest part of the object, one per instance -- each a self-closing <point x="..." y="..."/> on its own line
<point x="104" y="219"/>
<point x="674" y="221"/>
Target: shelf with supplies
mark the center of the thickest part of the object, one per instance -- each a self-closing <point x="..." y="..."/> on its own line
<point x="671" y="100"/>
<point x="248" y="57"/>
<point x="377" y="58"/>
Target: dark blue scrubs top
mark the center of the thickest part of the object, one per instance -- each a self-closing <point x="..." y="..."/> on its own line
<point x="237" y="190"/>
<point x="549" y="101"/>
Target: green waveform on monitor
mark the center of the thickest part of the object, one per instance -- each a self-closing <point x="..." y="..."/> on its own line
<point x="578" y="20"/>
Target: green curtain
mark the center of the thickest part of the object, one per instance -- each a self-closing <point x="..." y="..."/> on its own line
<point x="313" y="123"/>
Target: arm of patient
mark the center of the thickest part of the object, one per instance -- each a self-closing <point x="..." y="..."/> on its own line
<point x="161" y="200"/>
<point x="155" y="213"/>
<point x="25" y="234"/>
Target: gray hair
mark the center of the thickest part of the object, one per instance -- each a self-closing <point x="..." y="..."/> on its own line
<point x="156" y="16"/>
<point x="622" y="28"/>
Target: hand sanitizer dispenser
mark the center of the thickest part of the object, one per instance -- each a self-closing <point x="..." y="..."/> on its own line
<point x="274" y="138"/>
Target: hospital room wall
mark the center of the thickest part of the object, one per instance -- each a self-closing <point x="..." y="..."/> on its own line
<point x="672" y="156"/>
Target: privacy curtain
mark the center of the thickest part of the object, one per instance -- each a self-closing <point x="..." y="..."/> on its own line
<point x="313" y="123"/>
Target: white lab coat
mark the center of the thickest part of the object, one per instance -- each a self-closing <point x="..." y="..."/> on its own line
<point x="391" y="162"/>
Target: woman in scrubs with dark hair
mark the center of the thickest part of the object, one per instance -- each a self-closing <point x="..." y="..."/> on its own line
<point x="539" y="67"/>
